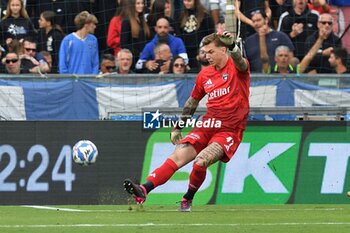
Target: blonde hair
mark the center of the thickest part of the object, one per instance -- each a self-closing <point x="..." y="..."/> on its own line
<point x="126" y="51"/>
<point x="212" y="38"/>
<point x="83" y="18"/>
<point x="22" y="13"/>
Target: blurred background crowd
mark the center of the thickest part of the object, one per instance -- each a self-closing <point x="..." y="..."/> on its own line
<point x="163" y="36"/>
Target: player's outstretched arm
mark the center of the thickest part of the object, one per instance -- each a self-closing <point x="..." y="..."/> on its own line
<point x="190" y="107"/>
<point x="228" y="40"/>
<point x="240" y="62"/>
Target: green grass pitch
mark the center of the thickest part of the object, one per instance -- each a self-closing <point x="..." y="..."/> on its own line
<point x="166" y="219"/>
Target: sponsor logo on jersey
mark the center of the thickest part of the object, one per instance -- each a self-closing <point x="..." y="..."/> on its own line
<point x="218" y="93"/>
<point x="208" y="84"/>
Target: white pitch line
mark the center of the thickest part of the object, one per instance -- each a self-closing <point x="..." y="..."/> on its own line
<point x="174" y="210"/>
<point x="69" y="209"/>
<point x="307" y="209"/>
<point x="53" y="208"/>
<point x="94" y="211"/>
<point x="176" y="225"/>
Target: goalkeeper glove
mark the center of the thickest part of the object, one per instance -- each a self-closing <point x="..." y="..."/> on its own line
<point x="228" y="39"/>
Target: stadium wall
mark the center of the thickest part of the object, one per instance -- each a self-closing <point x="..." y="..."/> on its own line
<point x="277" y="163"/>
<point x="91" y="98"/>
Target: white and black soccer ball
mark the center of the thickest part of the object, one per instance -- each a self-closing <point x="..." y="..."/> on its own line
<point x="84" y="152"/>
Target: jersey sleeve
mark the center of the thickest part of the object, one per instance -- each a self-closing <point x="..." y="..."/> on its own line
<point x="198" y="91"/>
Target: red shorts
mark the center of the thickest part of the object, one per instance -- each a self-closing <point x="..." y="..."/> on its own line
<point x="228" y="139"/>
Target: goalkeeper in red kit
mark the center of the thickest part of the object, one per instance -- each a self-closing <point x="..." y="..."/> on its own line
<point x="226" y="82"/>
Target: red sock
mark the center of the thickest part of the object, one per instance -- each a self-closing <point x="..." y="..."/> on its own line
<point x="163" y="173"/>
<point x="197" y="177"/>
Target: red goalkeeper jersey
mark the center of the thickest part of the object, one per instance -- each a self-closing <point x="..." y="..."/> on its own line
<point x="228" y="94"/>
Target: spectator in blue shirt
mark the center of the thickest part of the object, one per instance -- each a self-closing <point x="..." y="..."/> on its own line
<point x="79" y="50"/>
<point x="177" y="47"/>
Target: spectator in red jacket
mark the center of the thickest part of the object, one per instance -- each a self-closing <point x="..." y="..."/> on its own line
<point x="319" y="5"/>
<point x="115" y="27"/>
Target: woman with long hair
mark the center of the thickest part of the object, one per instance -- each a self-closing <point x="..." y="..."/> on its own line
<point x="50" y="37"/>
<point x="16" y="23"/>
<point x="195" y="24"/>
<point x="135" y="31"/>
<point x="115" y="26"/>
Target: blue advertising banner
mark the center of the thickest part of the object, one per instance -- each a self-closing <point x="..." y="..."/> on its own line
<point x="91" y="99"/>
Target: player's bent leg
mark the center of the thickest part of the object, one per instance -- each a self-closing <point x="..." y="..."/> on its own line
<point x="183" y="154"/>
<point x="211" y="154"/>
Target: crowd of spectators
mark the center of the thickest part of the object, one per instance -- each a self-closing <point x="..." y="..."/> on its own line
<point x="163" y="36"/>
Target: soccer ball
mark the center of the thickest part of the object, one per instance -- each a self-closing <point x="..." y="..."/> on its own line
<point x="84" y="152"/>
